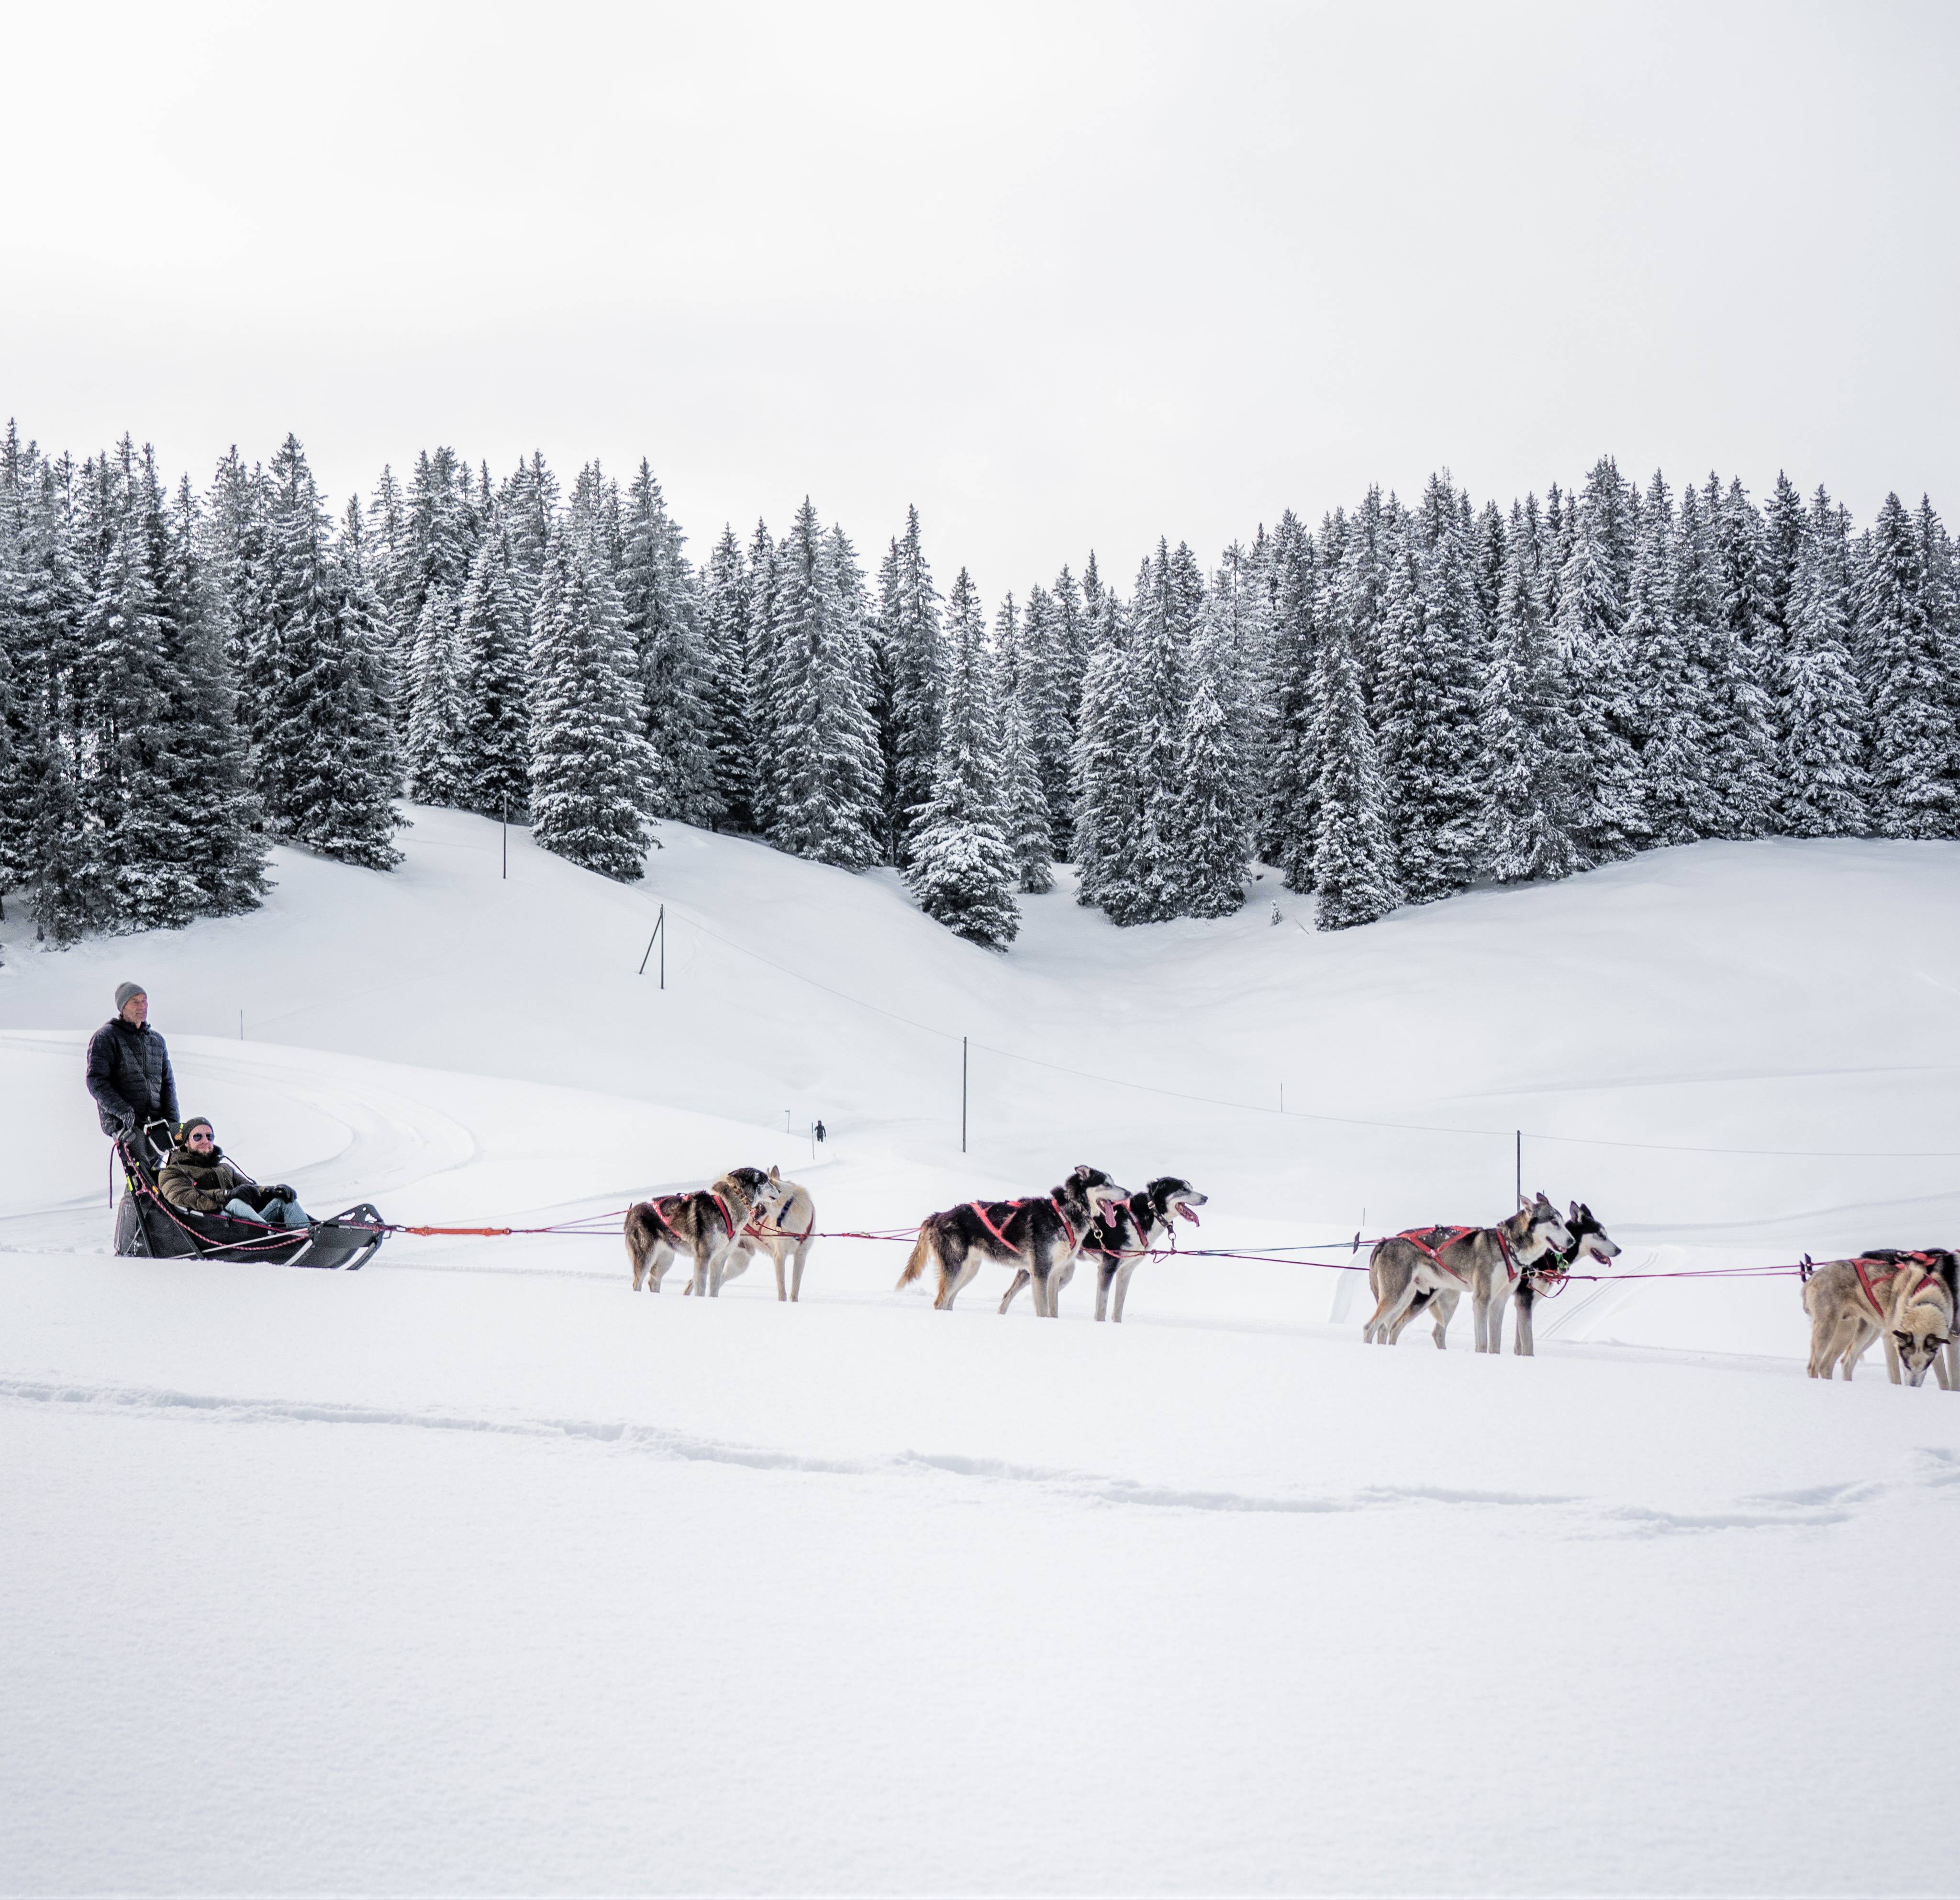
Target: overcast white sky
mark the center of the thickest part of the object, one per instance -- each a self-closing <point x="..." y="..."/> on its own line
<point x="1065" y="276"/>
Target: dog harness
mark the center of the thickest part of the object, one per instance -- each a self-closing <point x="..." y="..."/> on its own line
<point x="980" y="1212"/>
<point x="667" y="1201"/>
<point x="1898" y="1267"/>
<point x="1433" y="1248"/>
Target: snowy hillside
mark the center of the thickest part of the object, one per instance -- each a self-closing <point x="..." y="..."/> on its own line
<point x="654" y="1595"/>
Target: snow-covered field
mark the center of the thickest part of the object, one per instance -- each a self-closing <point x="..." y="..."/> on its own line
<point x="474" y="1573"/>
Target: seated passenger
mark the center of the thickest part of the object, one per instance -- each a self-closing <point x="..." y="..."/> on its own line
<point x="197" y="1177"/>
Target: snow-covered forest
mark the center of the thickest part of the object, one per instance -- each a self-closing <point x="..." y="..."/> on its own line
<point x="1388" y="709"/>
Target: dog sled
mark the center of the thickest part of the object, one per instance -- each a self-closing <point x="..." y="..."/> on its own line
<point x="148" y="1228"/>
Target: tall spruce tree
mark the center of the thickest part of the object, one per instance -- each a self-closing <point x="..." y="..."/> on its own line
<point x="1291" y="820"/>
<point x="1214" y="829"/>
<point x="1605" y="820"/>
<point x="1823" y="714"/>
<point x="589" y="763"/>
<point x="493" y="738"/>
<point x="1670" y="683"/>
<point x="824" y="763"/>
<point x="1354" y="858"/>
<point x="726" y="651"/>
<point x="1025" y="822"/>
<point x="1434" y="653"/>
<point x="438" y="769"/>
<point x="910" y="664"/>
<point x="1912" y="716"/>
<point x="1050" y="689"/>
<point x="1108" y="814"/>
<point x="1526" y="726"/>
<point x="962" y="871"/>
<point x="657" y="587"/>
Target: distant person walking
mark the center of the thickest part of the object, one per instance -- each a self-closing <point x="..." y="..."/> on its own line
<point x="820" y="1131"/>
<point x="129" y="1071"/>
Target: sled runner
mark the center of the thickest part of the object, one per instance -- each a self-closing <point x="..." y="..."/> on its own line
<point x="148" y="1228"/>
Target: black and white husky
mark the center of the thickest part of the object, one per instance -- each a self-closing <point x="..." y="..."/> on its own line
<point x="1039" y="1236"/>
<point x="703" y="1225"/>
<point x="1117" y="1241"/>
<point x="1436" y="1266"/>
<point x="1590" y="1241"/>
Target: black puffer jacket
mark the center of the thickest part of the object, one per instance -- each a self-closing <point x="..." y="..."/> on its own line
<point x="129" y="1076"/>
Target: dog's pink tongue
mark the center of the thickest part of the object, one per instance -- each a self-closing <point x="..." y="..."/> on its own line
<point x="1190" y="1214"/>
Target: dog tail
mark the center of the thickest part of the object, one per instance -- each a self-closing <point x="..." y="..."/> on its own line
<point x="922" y="1252"/>
<point x="640" y="1228"/>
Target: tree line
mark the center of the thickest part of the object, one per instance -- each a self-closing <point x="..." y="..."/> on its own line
<point x="1389" y="707"/>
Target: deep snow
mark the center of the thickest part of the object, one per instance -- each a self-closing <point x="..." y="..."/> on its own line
<point x="473" y="1572"/>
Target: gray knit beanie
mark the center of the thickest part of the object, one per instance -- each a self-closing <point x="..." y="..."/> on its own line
<point x="123" y="993"/>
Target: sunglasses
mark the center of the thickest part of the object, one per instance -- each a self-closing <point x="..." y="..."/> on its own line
<point x="203" y="1135"/>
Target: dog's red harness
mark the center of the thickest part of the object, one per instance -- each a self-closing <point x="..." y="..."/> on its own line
<point x="667" y="1201"/>
<point x="1898" y="1267"/>
<point x="980" y="1210"/>
<point x="1433" y="1249"/>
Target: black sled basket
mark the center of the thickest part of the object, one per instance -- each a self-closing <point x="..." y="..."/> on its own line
<point x="148" y="1228"/>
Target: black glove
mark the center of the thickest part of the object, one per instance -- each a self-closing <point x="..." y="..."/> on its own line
<point x="280" y="1192"/>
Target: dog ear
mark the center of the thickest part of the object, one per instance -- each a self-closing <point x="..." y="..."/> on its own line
<point x="1572" y="1210"/>
<point x="775" y="1174"/>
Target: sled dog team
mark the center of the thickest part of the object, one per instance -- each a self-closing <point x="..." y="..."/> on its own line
<point x="1907" y="1299"/>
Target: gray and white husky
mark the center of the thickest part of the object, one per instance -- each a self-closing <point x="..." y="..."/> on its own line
<point x="783" y="1233"/>
<point x="703" y="1225"/>
<point x="1436" y="1266"/>
<point x="1041" y="1235"/>
<point x="1590" y="1241"/>
<point x="1119" y="1239"/>
<point x="1905" y="1299"/>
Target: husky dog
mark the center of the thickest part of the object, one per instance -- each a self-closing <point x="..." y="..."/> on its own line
<point x="1905" y="1299"/>
<point x="1118" y="1241"/>
<point x="1444" y="1262"/>
<point x="703" y="1225"/>
<point x="1042" y="1235"/>
<point x="1590" y="1241"/>
<point x="783" y="1233"/>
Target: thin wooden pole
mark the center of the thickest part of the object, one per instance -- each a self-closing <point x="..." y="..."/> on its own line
<point x="506" y="835"/>
<point x="963" y="1095"/>
<point x="660" y="931"/>
<point x="1520" y="1153"/>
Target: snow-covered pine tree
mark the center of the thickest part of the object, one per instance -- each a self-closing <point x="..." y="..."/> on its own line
<point x="1162" y="625"/>
<point x="1050" y="691"/>
<point x="1025" y="821"/>
<point x="437" y="769"/>
<point x="1290" y="808"/>
<point x="1526" y="726"/>
<point x="226" y="854"/>
<point x="908" y="640"/>
<point x="726" y="649"/>
<point x="435" y="552"/>
<point x="325" y="760"/>
<point x="1820" y="704"/>
<point x="1215" y="831"/>
<point x="527" y="505"/>
<point x="1942" y="596"/>
<point x="662" y="610"/>
<point x="144" y="832"/>
<point x="1428" y="705"/>
<point x="1781" y="543"/>
<point x="1354" y="858"/>
<point x="1904" y="673"/>
<point x="589" y="763"/>
<point x="765" y="706"/>
<point x="1670" y="687"/>
<point x="493" y="739"/>
<point x="54" y="844"/>
<point x="962" y="871"/>
<point x="824" y="766"/>
<point x="1366" y="546"/>
<point x="1108" y="810"/>
<point x="1741" y="722"/>
<point x="1603" y="776"/>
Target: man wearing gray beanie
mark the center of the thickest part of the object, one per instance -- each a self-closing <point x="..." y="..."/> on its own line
<point x="129" y="1070"/>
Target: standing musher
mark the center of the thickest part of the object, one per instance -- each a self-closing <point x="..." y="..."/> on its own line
<point x="129" y="1074"/>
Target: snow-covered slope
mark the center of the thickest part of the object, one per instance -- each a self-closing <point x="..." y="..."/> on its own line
<point x="473" y="1572"/>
